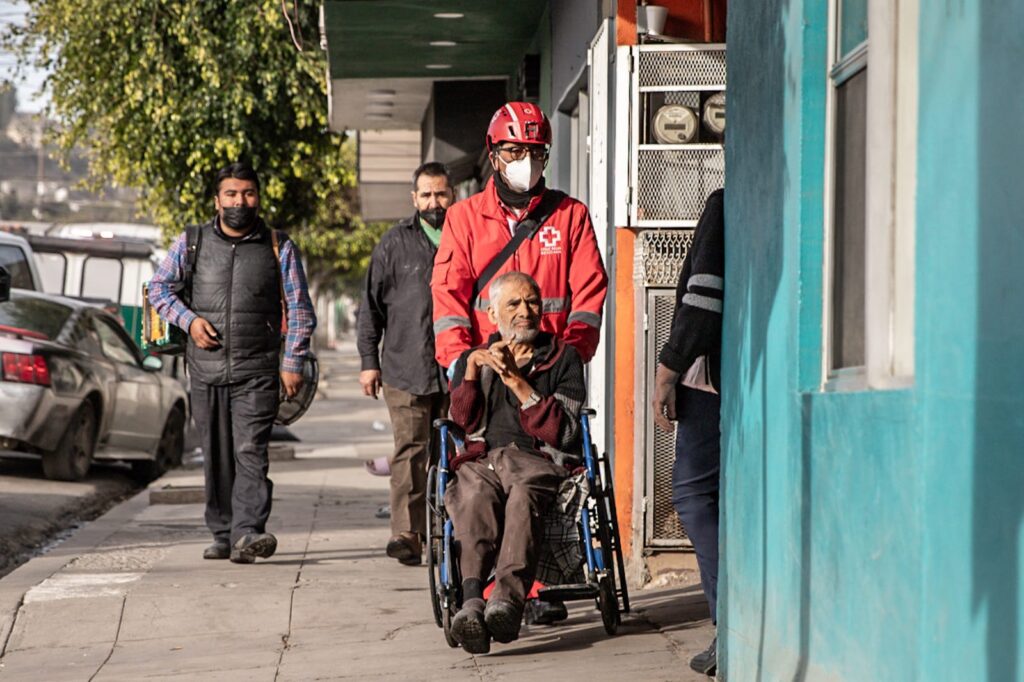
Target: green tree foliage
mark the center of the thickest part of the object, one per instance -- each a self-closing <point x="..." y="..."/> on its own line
<point x="161" y="94"/>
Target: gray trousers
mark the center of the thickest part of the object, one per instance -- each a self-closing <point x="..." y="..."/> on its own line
<point x="412" y="418"/>
<point x="234" y="424"/>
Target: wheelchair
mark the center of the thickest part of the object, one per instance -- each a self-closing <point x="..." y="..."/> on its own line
<point x="602" y="571"/>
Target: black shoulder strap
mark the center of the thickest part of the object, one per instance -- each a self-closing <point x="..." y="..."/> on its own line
<point x="526" y="229"/>
<point x="193" y="239"/>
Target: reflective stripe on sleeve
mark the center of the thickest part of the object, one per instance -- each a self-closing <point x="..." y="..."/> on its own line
<point x="450" y="321"/>
<point x="587" y="318"/>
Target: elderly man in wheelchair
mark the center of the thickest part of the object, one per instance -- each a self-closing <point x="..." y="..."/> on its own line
<point x="518" y="399"/>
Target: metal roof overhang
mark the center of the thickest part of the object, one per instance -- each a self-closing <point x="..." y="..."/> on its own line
<point x="384" y="55"/>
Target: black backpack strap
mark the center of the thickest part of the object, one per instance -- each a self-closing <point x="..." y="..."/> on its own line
<point x="193" y="240"/>
<point x="526" y="229"/>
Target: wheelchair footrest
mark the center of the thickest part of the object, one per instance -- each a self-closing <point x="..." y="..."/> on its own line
<point x="571" y="592"/>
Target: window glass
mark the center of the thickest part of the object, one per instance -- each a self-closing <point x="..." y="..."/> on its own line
<point x="853" y="25"/>
<point x="848" y="311"/>
<point x="101" y="278"/>
<point x="14" y="260"/>
<point x="37" y="316"/>
<point x="114" y="346"/>
<point x="52" y="267"/>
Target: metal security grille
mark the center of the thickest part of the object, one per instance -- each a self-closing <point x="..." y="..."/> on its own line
<point x="659" y="256"/>
<point x="662" y="522"/>
<point x="682" y="67"/>
<point x="672" y="184"/>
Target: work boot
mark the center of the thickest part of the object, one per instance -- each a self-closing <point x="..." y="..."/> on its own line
<point x="503" y="619"/>
<point x="252" y="545"/>
<point x="220" y="549"/>
<point x="469" y="627"/>
<point x="707" y="661"/>
<point x="540" y="612"/>
<point x="407" y="548"/>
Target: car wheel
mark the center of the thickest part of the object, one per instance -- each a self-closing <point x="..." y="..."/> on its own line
<point x="71" y="459"/>
<point x="168" y="452"/>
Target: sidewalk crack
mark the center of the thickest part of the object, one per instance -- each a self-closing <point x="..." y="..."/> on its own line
<point x="117" y="635"/>
<point x="286" y="637"/>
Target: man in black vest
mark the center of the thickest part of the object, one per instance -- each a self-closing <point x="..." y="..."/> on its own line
<point x="232" y="312"/>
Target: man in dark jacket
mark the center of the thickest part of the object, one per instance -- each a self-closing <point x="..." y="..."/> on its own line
<point x="686" y="390"/>
<point x="232" y="312"/>
<point x="518" y="400"/>
<point x="397" y="307"/>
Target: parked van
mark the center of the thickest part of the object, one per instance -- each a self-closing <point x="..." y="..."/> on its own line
<point x="16" y="258"/>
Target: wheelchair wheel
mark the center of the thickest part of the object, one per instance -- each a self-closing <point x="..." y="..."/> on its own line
<point x="608" y="603"/>
<point x="615" y="543"/>
<point x="435" y="525"/>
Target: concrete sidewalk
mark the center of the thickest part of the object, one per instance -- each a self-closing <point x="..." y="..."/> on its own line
<point x="129" y="597"/>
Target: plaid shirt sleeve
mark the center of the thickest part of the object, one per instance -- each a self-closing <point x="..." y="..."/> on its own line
<point x="301" y="316"/>
<point x="161" y="288"/>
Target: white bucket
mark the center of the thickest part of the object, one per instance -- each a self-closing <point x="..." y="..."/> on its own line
<point x="650" y="19"/>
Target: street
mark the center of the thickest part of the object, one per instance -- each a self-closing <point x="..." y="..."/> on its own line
<point x="128" y="597"/>
<point x="35" y="511"/>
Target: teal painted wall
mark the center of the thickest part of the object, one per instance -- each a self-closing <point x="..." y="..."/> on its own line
<point x="874" y="535"/>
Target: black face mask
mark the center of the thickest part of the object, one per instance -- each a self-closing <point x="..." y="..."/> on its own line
<point x="238" y="217"/>
<point x="434" y="217"/>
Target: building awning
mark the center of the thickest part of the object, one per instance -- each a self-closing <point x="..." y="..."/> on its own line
<point x="384" y="55"/>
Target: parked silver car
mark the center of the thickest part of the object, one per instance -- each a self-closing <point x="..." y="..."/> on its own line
<point x="75" y="388"/>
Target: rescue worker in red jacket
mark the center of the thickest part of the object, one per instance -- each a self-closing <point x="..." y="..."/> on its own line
<point x="562" y="256"/>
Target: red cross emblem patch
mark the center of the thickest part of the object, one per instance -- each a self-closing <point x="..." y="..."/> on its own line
<point x="551" y="239"/>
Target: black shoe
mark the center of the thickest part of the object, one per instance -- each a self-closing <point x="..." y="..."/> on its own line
<point x="407" y="548"/>
<point x="252" y="545"/>
<point x="469" y="628"/>
<point x="503" y="620"/>
<point x="540" y="612"/>
<point x="220" y="549"/>
<point x="706" y="661"/>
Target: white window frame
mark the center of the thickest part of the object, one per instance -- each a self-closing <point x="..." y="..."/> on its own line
<point x="891" y="163"/>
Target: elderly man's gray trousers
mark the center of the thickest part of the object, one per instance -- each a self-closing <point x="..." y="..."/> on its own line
<point x="234" y="423"/>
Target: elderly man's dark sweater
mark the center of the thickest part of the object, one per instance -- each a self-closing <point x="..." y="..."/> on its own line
<point x="493" y="417"/>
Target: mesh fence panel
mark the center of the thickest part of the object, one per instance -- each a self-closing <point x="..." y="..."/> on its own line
<point x="681" y="68"/>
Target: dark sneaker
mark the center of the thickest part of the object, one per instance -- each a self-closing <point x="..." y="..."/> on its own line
<point x="540" y="612"/>
<point x="220" y="549"/>
<point x="503" y="620"/>
<point x="706" y="661"/>
<point x="407" y="548"/>
<point x="470" y="629"/>
<point x="252" y="545"/>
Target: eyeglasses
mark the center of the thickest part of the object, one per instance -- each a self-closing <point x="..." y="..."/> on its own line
<point x="519" y="153"/>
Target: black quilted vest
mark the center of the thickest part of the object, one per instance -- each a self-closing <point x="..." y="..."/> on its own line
<point x="236" y="286"/>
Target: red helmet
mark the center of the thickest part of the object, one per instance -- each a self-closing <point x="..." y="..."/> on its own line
<point x="521" y="122"/>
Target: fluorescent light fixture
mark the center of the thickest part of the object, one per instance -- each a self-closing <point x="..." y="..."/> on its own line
<point x="381" y="94"/>
<point x="449" y="15"/>
<point x="378" y="117"/>
<point x="439" y="66"/>
<point x="443" y="43"/>
<point x="380" y="105"/>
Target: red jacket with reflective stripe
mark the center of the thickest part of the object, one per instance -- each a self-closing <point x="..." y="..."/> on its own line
<point x="562" y="256"/>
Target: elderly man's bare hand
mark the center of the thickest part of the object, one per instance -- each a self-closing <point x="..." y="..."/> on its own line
<point x="476" y="360"/>
<point x="504" y="360"/>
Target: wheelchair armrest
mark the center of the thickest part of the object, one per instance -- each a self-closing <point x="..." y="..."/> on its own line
<point x="454" y="430"/>
<point x="589" y="411"/>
